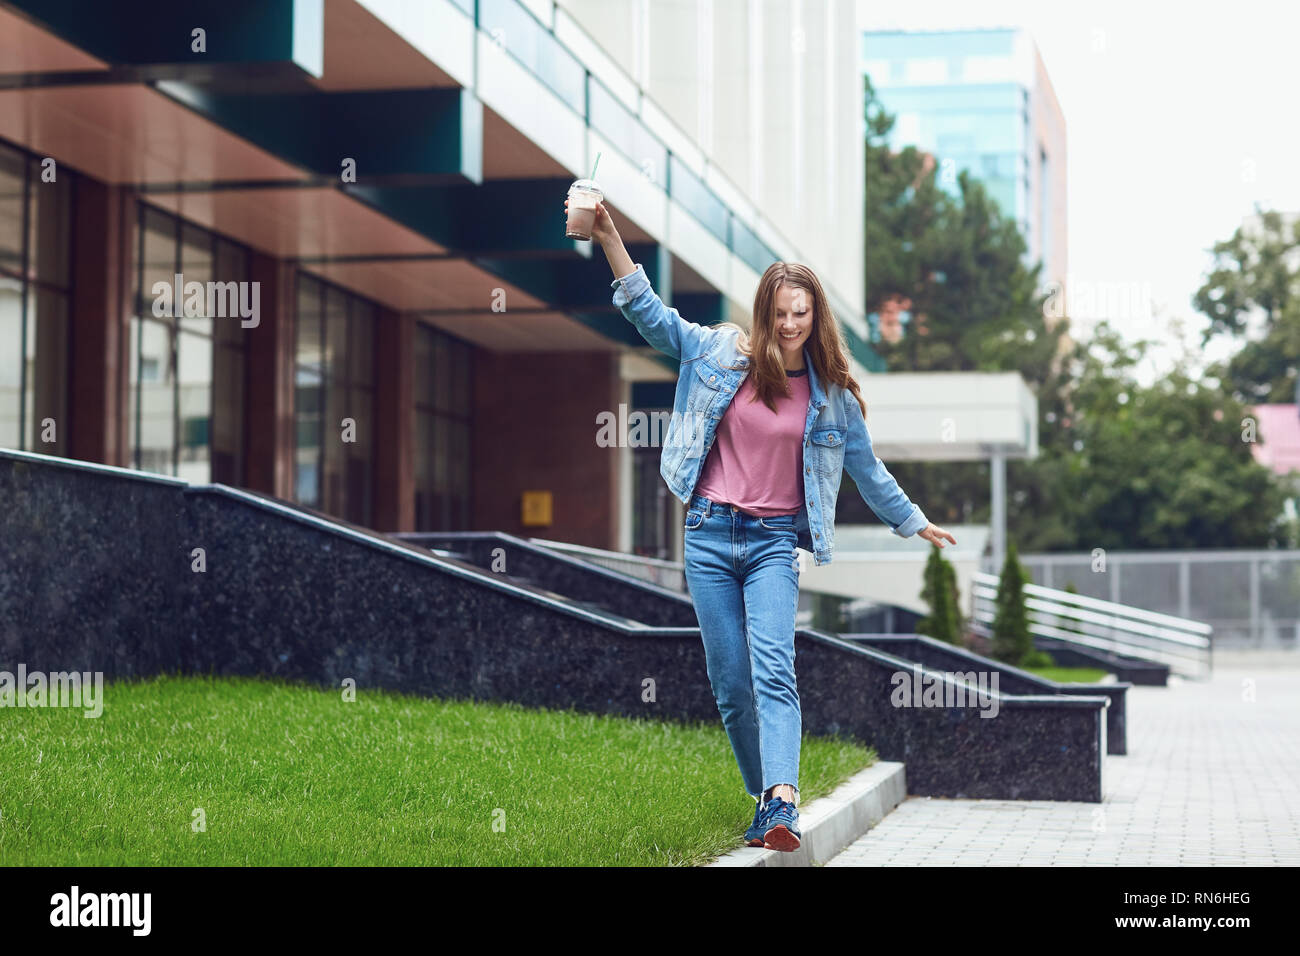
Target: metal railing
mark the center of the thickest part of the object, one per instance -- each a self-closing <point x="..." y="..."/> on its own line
<point x="667" y="574"/>
<point x="1251" y="597"/>
<point x="1185" y="645"/>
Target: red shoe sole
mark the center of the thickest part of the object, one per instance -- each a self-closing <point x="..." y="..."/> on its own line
<point x="757" y="841"/>
<point x="779" y="838"/>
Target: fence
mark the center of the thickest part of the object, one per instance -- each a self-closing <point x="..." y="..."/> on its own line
<point x="1103" y="625"/>
<point x="1251" y="598"/>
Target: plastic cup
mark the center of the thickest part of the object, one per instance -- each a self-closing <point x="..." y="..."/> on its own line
<point x="583" y="197"/>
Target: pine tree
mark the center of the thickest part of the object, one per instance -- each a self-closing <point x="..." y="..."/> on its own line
<point x="1012" y="641"/>
<point x="940" y="594"/>
<point x="957" y="631"/>
<point x="929" y="588"/>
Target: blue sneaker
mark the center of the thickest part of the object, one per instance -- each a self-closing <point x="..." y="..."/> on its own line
<point x="754" y="835"/>
<point x="781" y="826"/>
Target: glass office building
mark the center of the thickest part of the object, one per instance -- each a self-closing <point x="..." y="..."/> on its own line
<point x="981" y="101"/>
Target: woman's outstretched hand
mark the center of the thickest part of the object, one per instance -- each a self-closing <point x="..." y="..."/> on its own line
<point x="933" y="533"/>
<point x="603" y="226"/>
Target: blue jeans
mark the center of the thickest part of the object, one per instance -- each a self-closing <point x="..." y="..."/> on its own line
<point x="742" y="572"/>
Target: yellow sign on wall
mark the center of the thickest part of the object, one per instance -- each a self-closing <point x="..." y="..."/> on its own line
<point x="537" y="508"/>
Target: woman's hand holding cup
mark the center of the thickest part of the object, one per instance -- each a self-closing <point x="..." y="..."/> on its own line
<point x="602" y="227"/>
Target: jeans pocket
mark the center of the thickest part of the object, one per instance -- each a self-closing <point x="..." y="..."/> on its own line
<point x="778" y="523"/>
<point x="694" y="519"/>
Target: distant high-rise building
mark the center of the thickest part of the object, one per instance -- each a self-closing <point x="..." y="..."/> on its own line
<point x="981" y="100"/>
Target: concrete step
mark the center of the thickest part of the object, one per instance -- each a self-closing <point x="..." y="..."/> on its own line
<point x="831" y="823"/>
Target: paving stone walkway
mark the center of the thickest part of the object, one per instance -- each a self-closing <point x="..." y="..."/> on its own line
<point x="1211" y="779"/>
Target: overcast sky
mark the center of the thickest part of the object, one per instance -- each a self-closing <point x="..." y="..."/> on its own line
<point x="1179" y="116"/>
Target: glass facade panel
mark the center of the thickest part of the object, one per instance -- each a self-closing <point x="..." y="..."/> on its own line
<point x="359" y="454"/>
<point x="309" y="379"/>
<point x="442" y="421"/>
<point x="11" y="361"/>
<point x="335" y="333"/>
<point x="13" y="208"/>
<point x="334" y="386"/>
<point x="337" y="408"/>
<point x="901" y="46"/>
<point x="749" y="247"/>
<point x="46" y="391"/>
<point x="523" y="37"/>
<point x="699" y="200"/>
<point x="195" y="398"/>
<point x="155" y="384"/>
<point x="35" y="230"/>
<point x="227" y="451"/>
<point x="196" y="266"/>
<point x="186" y="415"/>
<point x="158" y="263"/>
<point x="49" y="230"/>
<point x="620" y="126"/>
<point x="309" y="348"/>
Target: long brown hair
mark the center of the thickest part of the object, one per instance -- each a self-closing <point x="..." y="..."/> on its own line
<point x="826" y="349"/>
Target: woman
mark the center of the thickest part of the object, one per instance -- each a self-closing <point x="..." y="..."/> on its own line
<point x="767" y="487"/>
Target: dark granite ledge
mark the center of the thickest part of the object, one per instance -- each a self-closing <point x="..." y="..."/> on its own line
<point x="623" y="594"/>
<point x="1022" y="684"/>
<point x="396" y="545"/>
<point x="91" y="467"/>
<point x="1130" y="670"/>
<point x="95" y="575"/>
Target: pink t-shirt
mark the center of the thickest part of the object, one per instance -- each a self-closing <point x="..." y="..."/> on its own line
<point x="756" y="457"/>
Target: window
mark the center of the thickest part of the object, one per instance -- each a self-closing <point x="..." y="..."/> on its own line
<point x="187" y="357"/>
<point x="1044" y="206"/>
<point x="442" y="430"/>
<point x="533" y="45"/>
<point x="334" y="400"/>
<point x="35" y="230"/>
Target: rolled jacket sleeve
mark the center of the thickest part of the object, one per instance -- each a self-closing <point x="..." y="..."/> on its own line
<point x="878" y="488"/>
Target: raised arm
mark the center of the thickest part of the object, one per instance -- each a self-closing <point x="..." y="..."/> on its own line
<point x="606" y="233"/>
<point x="661" y="326"/>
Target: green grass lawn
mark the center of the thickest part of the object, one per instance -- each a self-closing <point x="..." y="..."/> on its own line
<point x="1069" y="675"/>
<point x="293" y="775"/>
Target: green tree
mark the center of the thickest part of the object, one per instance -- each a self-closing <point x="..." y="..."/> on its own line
<point x="1255" y="274"/>
<point x="939" y="592"/>
<point x="1163" y="466"/>
<point x="954" y="601"/>
<point x="959" y="262"/>
<point x="1011" y="639"/>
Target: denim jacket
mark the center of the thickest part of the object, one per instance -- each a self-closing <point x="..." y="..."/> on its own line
<point x="835" y="434"/>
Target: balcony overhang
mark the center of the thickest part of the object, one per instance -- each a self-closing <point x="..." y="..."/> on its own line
<point x="951" y="416"/>
<point x="262" y="37"/>
<point x="412" y="137"/>
<point x="129" y="134"/>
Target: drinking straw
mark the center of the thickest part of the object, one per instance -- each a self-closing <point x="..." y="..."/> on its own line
<point x="593" y="167"/>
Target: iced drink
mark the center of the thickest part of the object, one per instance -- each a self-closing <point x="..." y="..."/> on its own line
<point x="583" y="197"/>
